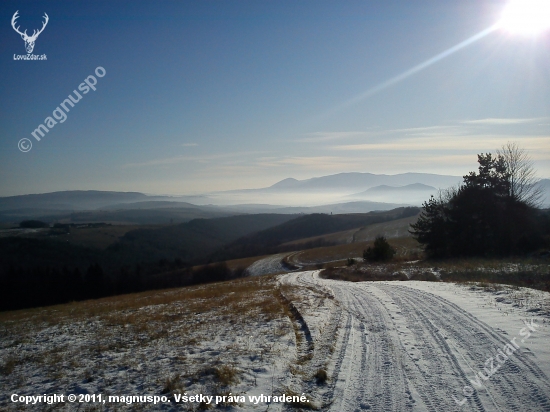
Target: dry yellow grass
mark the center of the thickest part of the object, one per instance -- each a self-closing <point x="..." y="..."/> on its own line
<point x="118" y="309"/>
<point x="345" y="236"/>
<point x="244" y="262"/>
<point x="392" y="229"/>
<point x="406" y="247"/>
<point x="183" y="337"/>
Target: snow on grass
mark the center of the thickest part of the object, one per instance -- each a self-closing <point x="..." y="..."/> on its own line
<point x="267" y="335"/>
<point x="232" y="337"/>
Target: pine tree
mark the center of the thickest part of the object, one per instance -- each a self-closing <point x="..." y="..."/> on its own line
<point x="381" y="251"/>
<point x="483" y="217"/>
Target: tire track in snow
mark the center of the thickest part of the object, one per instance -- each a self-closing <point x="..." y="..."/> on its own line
<point x="367" y="373"/>
<point x="401" y="349"/>
<point x="384" y="372"/>
<point x="338" y="330"/>
<point x="434" y="367"/>
<point x="519" y="385"/>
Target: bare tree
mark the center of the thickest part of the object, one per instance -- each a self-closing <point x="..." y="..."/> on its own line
<point x="446" y="195"/>
<point x="523" y="181"/>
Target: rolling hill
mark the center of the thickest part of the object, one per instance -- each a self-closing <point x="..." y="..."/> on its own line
<point x="194" y="239"/>
<point x="270" y="240"/>
<point x="69" y="200"/>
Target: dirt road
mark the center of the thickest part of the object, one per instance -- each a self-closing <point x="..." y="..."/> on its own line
<point x="403" y="349"/>
<point x="269" y="265"/>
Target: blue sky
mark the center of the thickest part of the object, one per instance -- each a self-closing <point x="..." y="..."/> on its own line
<point x="213" y="95"/>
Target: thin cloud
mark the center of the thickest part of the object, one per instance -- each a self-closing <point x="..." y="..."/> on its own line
<point x="327" y="136"/>
<point x="501" y="121"/>
<point x="449" y="130"/>
<point x="423" y="129"/>
<point x="376" y="162"/>
<point x="470" y="142"/>
<point x="190" y="144"/>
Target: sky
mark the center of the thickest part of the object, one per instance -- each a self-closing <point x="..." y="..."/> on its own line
<point x="200" y="96"/>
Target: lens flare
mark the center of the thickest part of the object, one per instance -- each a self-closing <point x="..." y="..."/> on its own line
<point x="527" y="17"/>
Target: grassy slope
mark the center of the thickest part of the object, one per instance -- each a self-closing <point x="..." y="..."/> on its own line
<point x="96" y="339"/>
<point x="405" y="247"/>
<point x="309" y="226"/>
<point x="489" y="273"/>
<point x="393" y="229"/>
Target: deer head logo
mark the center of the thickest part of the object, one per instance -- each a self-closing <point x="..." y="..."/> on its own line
<point x="29" y="40"/>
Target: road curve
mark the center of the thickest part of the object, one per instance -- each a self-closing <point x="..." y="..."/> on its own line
<point x="267" y="266"/>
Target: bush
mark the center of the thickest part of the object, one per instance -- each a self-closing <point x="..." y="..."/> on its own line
<point x="171" y="384"/>
<point x="226" y="374"/>
<point x="380" y="252"/>
<point x="321" y="376"/>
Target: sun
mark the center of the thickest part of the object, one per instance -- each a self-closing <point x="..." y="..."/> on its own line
<point x="527" y="17"/>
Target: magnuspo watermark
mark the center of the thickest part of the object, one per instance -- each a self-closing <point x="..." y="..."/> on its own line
<point x="29" y="40"/>
<point x="494" y="363"/>
<point x="59" y="115"/>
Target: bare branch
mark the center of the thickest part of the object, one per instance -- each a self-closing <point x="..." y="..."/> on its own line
<point x="523" y="181"/>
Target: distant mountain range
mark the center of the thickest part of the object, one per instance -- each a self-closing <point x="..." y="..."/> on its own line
<point x="343" y="182"/>
<point x="70" y="200"/>
<point x="338" y="188"/>
<point x="74" y="200"/>
<point x="363" y="181"/>
<point x="327" y="194"/>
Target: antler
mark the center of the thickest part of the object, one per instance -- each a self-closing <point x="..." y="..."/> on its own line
<point x="15" y="17"/>
<point x="35" y="34"/>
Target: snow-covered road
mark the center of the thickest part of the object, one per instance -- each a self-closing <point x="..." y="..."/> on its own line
<point x="412" y="346"/>
<point x="267" y="266"/>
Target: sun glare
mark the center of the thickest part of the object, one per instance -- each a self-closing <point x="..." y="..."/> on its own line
<point x="526" y="17"/>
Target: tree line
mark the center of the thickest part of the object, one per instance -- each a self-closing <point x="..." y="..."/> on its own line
<point x="494" y="212"/>
<point x="25" y="287"/>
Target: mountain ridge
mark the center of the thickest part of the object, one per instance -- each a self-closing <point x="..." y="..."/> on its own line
<point x="361" y="181"/>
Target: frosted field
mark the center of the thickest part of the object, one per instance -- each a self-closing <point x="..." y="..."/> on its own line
<point x="376" y="346"/>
